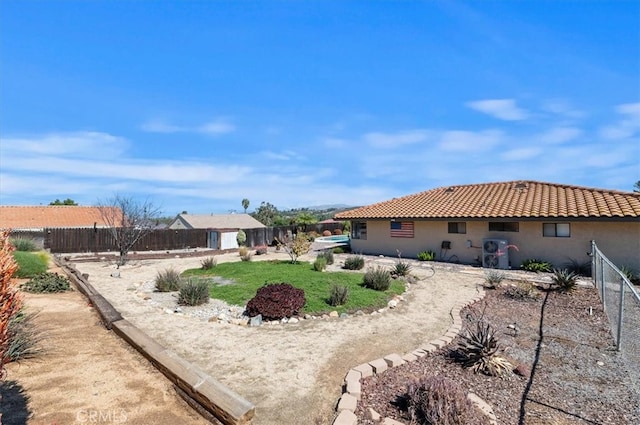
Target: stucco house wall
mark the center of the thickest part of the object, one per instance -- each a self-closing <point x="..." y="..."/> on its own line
<point x="620" y="241"/>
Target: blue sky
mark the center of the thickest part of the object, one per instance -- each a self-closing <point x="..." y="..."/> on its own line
<point x="196" y="105"/>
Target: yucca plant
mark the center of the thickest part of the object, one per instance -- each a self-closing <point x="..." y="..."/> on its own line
<point x="167" y="280"/>
<point x="209" y="263"/>
<point x="401" y="268"/>
<point x="478" y="349"/>
<point x="378" y="279"/>
<point x="493" y="278"/>
<point x="193" y="292"/>
<point x="564" y="280"/>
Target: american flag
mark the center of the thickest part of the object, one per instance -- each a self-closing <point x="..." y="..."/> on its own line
<point x="402" y="229"/>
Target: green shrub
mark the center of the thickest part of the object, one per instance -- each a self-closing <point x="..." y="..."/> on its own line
<point x="339" y="250"/>
<point x="338" y="295"/>
<point x="440" y="400"/>
<point x="427" y="255"/>
<point x="327" y="255"/>
<point x="493" y="278"/>
<point x="378" y="279"/>
<point x="535" y="265"/>
<point x="523" y="291"/>
<point x="209" y="263"/>
<point x="30" y="264"/>
<point x="320" y="264"/>
<point x="167" y="280"/>
<point x="354" y="262"/>
<point x="23" y="337"/>
<point x="276" y="301"/>
<point x="401" y="268"/>
<point x="47" y="283"/>
<point x="24" y="244"/>
<point x="241" y="237"/>
<point x="193" y="292"/>
<point x="581" y="268"/>
<point x="631" y="275"/>
<point x="564" y="280"/>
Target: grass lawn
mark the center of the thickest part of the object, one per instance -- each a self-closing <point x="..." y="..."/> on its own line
<point x="30" y="264"/>
<point x="251" y="275"/>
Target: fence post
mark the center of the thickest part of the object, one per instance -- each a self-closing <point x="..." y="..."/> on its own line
<point x="602" y="282"/>
<point x="620" y="314"/>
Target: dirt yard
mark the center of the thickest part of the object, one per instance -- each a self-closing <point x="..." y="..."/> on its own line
<point x="86" y="374"/>
<point x="293" y="372"/>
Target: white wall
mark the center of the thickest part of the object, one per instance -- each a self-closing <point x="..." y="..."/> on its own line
<point x="228" y="240"/>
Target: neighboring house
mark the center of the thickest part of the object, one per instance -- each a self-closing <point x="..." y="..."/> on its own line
<point x="502" y="224"/>
<point x="222" y="229"/>
<point x="37" y="218"/>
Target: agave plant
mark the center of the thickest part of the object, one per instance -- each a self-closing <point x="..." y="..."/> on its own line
<point x="478" y="351"/>
<point x="564" y="280"/>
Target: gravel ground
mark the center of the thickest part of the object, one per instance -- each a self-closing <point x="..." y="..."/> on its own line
<point x="578" y="377"/>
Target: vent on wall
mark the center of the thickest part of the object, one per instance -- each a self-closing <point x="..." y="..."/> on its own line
<point x="495" y="254"/>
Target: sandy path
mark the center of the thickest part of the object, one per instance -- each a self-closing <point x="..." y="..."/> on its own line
<point x="293" y="373"/>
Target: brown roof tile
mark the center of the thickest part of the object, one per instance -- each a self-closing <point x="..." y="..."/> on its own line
<point x="37" y="217"/>
<point x="514" y="199"/>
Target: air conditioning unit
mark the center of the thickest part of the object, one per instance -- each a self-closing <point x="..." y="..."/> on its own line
<point x="495" y="254"/>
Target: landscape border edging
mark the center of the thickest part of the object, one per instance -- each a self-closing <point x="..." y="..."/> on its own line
<point x="214" y="397"/>
<point x="347" y="404"/>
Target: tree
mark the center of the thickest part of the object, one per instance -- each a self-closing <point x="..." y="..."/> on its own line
<point x="128" y="221"/>
<point x="299" y="245"/>
<point x="266" y="214"/>
<point x="636" y="187"/>
<point x="245" y="204"/>
<point x="67" y="201"/>
<point x="304" y="218"/>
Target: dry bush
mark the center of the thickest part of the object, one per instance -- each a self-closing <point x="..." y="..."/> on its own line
<point x="10" y="300"/>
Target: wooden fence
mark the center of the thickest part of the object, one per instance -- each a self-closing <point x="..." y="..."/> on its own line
<point x="101" y="240"/>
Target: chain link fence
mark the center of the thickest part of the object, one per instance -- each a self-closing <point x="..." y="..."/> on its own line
<point x="621" y="302"/>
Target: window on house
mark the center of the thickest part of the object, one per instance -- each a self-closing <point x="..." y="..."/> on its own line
<point x="556" y="230"/>
<point x="458" y="227"/>
<point x="504" y="226"/>
<point x="359" y="230"/>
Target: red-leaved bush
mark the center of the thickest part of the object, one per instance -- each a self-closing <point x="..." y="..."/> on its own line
<point x="276" y="301"/>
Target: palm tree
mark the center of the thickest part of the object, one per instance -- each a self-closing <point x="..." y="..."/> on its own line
<point x="245" y="204"/>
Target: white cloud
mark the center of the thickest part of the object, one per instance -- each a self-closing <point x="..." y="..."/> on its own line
<point x="79" y="143"/>
<point x="157" y="126"/>
<point x="214" y="128"/>
<point x="559" y="135"/>
<point x="334" y="143"/>
<point x="470" y="141"/>
<point x="503" y="109"/>
<point x="392" y="140"/>
<point x="628" y="125"/>
<point x="563" y="108"/>
<point x="521" y="154"/>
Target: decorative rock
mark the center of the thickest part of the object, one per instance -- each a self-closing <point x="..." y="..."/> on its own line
<point x="354" y="388"/>
<point x="392" y="304"/>
<point x="333" y="314"/>
<point x="409" y="357"/>
<point x="308" y="316"/>
<point x="284" y="320"/>
<point x="347" y="402"/>
<point x="353" y="374"/>
<point x="373" y="415"/>
<point x="168" y="311"/>
<point x="346" y="417"/>
<point x="256" y="320"/>
<point x="389" y="421"/>
<point x="115" y="274"/>
<point x="344" y="315"/>
<point x="359" y="313"/>
<point x="325" y="316"/>
<point x="378" y="365"/>
<point x="177" y="310"/>
<point x="365" y="370"/>
<point x="293" y="320"/>
<point x="382" y="310"/>
<point x="394" y="360"/>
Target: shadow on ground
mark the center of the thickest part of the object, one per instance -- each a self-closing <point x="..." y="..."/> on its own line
<point x="13" y="404"/>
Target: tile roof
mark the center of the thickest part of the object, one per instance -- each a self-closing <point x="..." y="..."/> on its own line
<point x="38" y="217"/>
<point x="220" y="221"/>
<point x="514" y="199"/>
